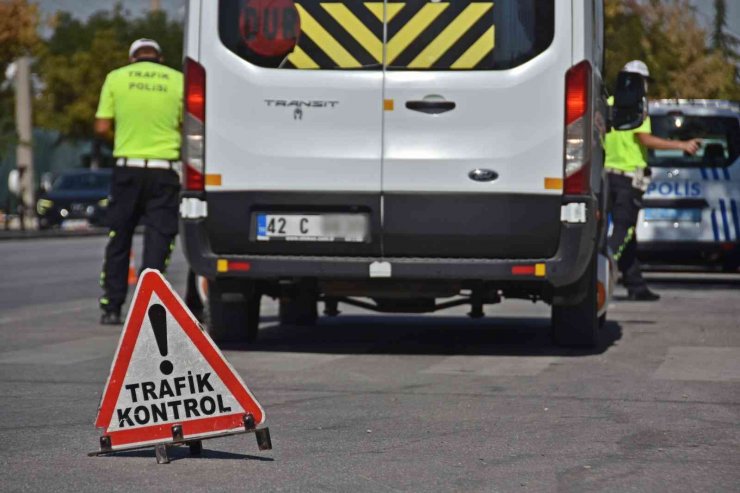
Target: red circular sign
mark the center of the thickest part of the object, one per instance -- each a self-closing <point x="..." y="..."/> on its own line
<point x="269" y="28"/>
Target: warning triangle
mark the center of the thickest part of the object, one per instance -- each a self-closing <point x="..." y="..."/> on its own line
<point x="167" y="372"/>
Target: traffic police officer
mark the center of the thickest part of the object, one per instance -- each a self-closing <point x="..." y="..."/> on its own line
<point x="625" y="163"/>
<point x="144" y="101"/>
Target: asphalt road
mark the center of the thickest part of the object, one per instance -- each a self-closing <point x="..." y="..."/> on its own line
<point x="384" y="403"/>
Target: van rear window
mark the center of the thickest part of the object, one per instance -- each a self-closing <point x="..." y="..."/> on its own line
<point x="405" y="35"/>
<point x="720" y="140"/>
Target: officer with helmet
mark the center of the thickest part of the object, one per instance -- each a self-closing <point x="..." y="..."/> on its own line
<point x="626" y="167"/>
<point x="140" y="108"/>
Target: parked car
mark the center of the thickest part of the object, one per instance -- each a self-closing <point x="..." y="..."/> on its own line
<point x="691" y="210"/>
<point x="76" y="198"/>
<point x="401" y="152"/>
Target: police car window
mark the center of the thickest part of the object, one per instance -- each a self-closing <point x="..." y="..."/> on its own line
<point x="419" y="34"/>
<point x="720" y="140"/>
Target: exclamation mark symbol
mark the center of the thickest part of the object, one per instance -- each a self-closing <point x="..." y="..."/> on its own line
<point x="158" y="319"/>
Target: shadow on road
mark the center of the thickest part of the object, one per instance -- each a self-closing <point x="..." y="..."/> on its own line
<point x="178" y="453"/>
<point x="422" y="335"/>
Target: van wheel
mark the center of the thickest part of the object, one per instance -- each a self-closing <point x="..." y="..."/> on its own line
<point x="300" y="310"/>
<point x="232" y="317"/>
<point x="578" y="325"/>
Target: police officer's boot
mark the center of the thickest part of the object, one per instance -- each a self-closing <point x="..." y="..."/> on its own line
<point x="642" y="294"/>
<point x="110" y="317"/>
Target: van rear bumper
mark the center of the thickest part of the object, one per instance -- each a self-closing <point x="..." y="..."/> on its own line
<point x="575" y="247"/>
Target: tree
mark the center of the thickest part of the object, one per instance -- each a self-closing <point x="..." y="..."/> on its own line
<point x="665" y="34"/>
<point x="73" y="83"/>
<point x="18" y="37"/>
<point x="622" y="28"/>
<point x="721" y="41"/>
<point x="18" y="22"/>
<point x="78" y="55"/>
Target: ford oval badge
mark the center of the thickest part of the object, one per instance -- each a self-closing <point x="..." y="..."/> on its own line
<point x="483" y="175"/>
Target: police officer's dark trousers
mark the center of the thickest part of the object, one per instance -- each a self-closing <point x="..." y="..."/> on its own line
<point x="625" y="202"/>
<point x="138" y="195"/>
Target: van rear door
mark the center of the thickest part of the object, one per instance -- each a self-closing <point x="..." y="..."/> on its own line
<point x="474" y="125"/>
<point x="290" y="133"/>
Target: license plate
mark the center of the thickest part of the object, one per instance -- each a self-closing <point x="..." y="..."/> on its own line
<point x="312" y="227"/>
<point x="673" y="215"/>
<point x="75" y="224"/>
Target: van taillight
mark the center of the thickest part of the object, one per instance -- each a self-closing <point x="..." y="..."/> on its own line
<point x="577" y="129"/>
<point x="195" y="89"/>
<point x="194" y="126"/>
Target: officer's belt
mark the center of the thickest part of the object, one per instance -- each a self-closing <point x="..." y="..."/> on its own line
<point x="127" y="162"/>
<point x="620" y="172"/>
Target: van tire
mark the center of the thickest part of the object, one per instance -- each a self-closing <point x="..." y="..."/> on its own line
<point x="232" y="317"/>
<point x="301" y="310"/>
<point x="578" y="325"/>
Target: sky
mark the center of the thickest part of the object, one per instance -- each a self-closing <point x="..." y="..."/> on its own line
<point x="83" y="8"/>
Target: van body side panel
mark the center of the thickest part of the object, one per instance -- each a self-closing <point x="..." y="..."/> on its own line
<point x="581" y="12"/>
<point x="191" y="46"/>
<point x="588" y="44"/>
<point x="509" y="121"/>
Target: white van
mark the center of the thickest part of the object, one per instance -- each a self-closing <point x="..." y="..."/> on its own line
<point x="402" y="156"/>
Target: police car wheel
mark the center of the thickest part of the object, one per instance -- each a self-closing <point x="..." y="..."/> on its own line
<point x="578" y="325"/>
<point x="232" y="316"/>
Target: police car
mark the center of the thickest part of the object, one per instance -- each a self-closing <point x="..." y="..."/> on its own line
<point x="691" y="210"/>
<point x="401" y="156"/>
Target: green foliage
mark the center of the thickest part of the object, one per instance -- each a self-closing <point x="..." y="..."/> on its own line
<point x="665" y="34"/>
<point x="623" y="29"/>
<point x="78" y="56"/>
<point x="18" y="37"/>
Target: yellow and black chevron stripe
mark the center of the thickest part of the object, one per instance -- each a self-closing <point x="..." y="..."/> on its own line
<point x="420" y="35"/>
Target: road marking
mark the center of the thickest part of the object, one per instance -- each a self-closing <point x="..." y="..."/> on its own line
<point x="63" y="353"/>
<point x="279" y="361"/>
<point x="45" y="310"/>
<point x="492" y="366"/>
<point x="710" y="364"/>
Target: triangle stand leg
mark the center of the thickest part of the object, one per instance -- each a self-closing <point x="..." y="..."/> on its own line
<point x="161" y="452"/>
<point x="263" y="438"/>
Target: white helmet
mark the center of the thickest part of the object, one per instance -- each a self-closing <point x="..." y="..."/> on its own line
<point x="637" y="67"/>
<point x="143" y="43"/>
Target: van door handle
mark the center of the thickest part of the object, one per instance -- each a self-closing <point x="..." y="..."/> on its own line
<point x="431" y="107"/>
